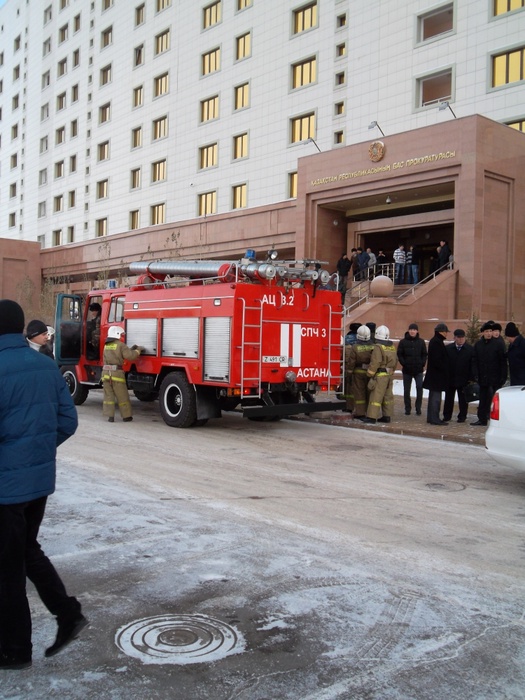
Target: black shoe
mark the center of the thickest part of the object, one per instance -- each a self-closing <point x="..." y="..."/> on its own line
<point x="67" y="632"/>
<point x="407" y="413"/>
<point x="418" y="413"/>
<point x="439" y="422"/>
<point x="384" y="419"/>
<point x="479" y="422"/>
<point x="111" y="420"/>
<point x="127" y="420"/>
<point x="369" y="420"/>
<point x="447" y="419"/>
<point x="14" y="663"/>
<point x="462" y="420"/>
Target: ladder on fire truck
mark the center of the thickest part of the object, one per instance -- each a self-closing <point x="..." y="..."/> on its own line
<point x="252" y="325"/>
<point x="336" y="321"/>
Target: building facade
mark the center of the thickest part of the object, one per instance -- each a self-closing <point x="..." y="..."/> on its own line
<point x="163" y="127"/>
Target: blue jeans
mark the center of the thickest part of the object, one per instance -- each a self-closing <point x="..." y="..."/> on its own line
<point x="412" y="274"/>
<point x="400" y="273"/>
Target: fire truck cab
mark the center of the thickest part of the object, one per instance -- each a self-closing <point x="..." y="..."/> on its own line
<point x="217" y="335"/>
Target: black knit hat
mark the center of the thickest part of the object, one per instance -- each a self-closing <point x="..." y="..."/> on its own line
<point x="11" y="317"/>
<point x="35" y="328"/>
<point x="511" y="330"/>
<point x="413" y="327"/>
<point x="487" y="326"/>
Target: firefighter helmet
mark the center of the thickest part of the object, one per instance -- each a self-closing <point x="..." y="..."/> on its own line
<point x="116" y="332"/>
<point x="382" y="333"/>
<point x="363" y="333"/>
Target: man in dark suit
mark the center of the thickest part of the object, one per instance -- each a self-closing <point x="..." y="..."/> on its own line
<point x="460" y="356"/>
<point x="490" y="370"/>
<point x="436" y="377"/>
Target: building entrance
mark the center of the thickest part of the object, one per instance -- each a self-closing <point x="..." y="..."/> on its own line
<point x="426" y="239"/>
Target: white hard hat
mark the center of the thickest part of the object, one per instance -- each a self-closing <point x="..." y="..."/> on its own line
<point x="116" y="332"/>
<point x="382" y="333"/>
<point x="363" y="333"/>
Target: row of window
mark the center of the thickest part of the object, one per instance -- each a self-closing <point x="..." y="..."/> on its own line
<point x="212" y="14"/>
<point x="206" y="204"/>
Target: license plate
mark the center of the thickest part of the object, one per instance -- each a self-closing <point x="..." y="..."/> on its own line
<point x="274" y="358"/>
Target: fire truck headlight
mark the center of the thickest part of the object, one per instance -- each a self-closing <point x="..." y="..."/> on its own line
<point x="290" y="377"/>
<point x="272" y="254"/>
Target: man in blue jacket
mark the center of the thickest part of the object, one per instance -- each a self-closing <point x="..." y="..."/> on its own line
<point x="36" y="415"/>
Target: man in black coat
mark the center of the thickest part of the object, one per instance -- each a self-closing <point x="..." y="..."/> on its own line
<point x="515" y="354"/>
<point x="490" y="371"/>
<point x="343" y="268"/>
<point x="461" y="358"/>
<point x="437" y="375"/>
<point x="412" y="356"/>
<point x="444" y="253"/>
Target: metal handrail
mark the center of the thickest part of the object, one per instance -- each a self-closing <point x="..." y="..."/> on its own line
<point x="447" y="266"/>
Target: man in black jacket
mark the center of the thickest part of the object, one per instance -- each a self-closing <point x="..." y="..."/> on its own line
<point x="437" y="375"/>
<point x="515" y="354"/>
<point x="461" y="358"/>
<point x="490" y="371"/>
<point x="412" y="356"/>
<point x="343" y="268"/>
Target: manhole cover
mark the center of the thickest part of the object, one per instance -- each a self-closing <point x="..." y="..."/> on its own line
<point x="179" y="639"/>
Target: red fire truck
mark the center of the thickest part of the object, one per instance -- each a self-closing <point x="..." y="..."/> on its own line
<point x="217" y="335"/>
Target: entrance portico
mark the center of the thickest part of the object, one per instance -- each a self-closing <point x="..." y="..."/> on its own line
<point x="459" y="181"/>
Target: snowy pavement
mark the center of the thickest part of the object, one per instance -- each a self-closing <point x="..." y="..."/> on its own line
<point x="289" y="560"/>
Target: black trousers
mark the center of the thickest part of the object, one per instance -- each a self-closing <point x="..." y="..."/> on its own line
<point x="486" y="394"/>
<point x="21" y="556"/>
<point x="448" y="408"/>
<point x="407" y="385"/>
<point x="433" y="406"/>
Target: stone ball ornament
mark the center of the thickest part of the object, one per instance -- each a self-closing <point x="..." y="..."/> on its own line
<point x="381" y="286"/>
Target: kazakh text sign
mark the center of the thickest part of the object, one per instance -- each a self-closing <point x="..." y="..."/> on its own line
<point x="386" y="168"/>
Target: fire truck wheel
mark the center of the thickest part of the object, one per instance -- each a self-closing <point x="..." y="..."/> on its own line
<point x="177" y="400"/>
<point x="145" y="396"/>
<point x="78" y="391"/>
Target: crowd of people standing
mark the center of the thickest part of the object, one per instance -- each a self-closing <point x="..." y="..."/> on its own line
<point x="455" y="370"/>
<point x="363" y="264"/>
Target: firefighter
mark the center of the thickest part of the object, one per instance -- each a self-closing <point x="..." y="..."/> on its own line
<point x="358" y="360"/>
<point x="350" y="339"/>
<point x="381" y="378"/>
<point x="113" y="376"/>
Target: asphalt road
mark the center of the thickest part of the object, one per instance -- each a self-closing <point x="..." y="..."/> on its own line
<point x="294" y="560"/>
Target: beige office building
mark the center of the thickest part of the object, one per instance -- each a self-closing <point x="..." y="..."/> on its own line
<point x="163" y="128"/>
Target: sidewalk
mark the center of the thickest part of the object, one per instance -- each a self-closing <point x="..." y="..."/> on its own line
<point x="411" y="425"/>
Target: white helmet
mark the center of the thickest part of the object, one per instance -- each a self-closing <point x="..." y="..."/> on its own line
<point x="382" y="333"/>
<point x="116" y="332"/>
<point x="363" y="333"/>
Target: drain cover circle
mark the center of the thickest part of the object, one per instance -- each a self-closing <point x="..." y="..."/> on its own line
<point x="179" y="639"/>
